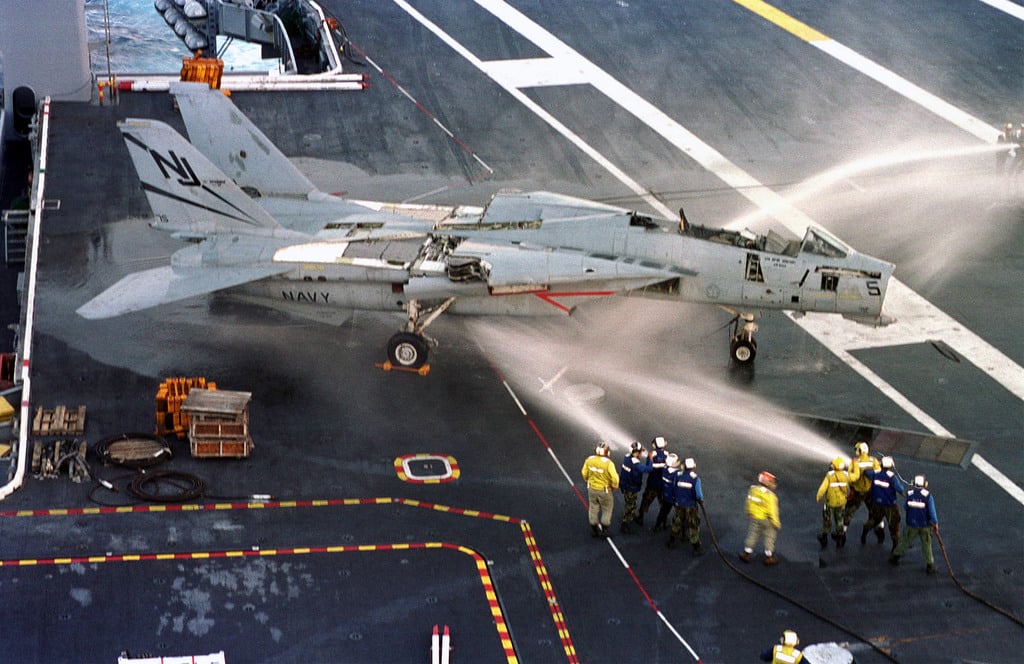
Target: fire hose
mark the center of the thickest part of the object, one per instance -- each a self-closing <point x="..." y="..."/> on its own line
<point x="791" y="600"/>
<point x="963" y="589"/>
<point x="949" y="568"/>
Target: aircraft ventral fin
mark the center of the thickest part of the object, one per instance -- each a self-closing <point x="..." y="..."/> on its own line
<point x="162" y="285"/>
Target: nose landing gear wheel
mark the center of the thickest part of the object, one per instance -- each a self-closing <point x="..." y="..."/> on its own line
<point x="408" y="350"/>
<point x="743" y="351"/>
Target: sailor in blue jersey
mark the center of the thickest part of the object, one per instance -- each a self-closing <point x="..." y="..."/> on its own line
<point x="882" y="505"/>
<point x="668" y="488"/>
<point x="653" y="489"/>
<point x="635" y="465"/>
<point x="687" y="495"/>
<point x="921" y="521"/>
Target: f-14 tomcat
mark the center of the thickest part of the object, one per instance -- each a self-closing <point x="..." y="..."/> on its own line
<point x="259" y="229"/>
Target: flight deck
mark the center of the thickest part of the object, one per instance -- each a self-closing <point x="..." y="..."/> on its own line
<point x="377" y="504"/>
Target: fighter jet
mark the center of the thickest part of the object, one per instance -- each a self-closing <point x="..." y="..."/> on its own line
<point x="258" y="229"/>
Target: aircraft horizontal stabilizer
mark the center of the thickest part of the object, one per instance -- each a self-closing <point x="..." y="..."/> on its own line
<point x="162" y="285"/>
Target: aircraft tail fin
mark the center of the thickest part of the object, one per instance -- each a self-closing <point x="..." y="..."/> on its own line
<point x="231" y="141"/>
<point x="184" y="189"/>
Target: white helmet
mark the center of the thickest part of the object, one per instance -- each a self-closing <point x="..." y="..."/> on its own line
<point x="635" y="447"/>
<point x="920" y="481"/>
<point x="789" y="638"/>
<point x="689" y="463"/>
<point x="888" y="463"/>
<point x="672" y="460"/>
<point x="660" y="442"/>
<point x="602" y="449"/>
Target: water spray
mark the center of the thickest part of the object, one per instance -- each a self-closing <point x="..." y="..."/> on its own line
<point x="819" y="183"/>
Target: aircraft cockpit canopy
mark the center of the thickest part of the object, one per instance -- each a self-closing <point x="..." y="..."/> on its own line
<point x="817" y="241"/>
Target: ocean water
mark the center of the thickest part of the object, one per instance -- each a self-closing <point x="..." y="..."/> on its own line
<point x="141" y="42"/>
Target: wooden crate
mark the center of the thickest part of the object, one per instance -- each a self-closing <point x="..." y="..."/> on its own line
<point x="218" y="423"/>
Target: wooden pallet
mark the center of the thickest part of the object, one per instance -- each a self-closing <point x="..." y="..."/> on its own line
<point x="61" y="421"/>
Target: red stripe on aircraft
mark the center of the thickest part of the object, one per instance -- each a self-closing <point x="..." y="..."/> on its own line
<point x="549" y="297"/>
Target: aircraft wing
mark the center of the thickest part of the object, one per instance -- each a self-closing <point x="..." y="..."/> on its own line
<point x="161" y="285"/>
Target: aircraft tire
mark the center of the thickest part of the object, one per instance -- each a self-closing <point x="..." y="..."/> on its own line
<point x="743" y="351"/>
<point x="407" y="350"/>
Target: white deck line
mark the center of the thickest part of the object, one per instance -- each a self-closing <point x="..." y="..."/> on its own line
<point x="1015" y="10"/>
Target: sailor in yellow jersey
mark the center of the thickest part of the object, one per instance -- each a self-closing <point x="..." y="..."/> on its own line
<point x="835" y="489"/>
<point x="860" y="488"/>
<point x="763" y="510"/>
<point x="602" y="480"/>
<point x="786" y="652"/>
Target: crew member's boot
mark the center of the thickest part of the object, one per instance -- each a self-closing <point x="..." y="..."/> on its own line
<point x="880" y="534"/>
<point x="595" y="530"/>
<point x="697" y="549"/>
<point x="864" y="534"/>
<point x="823" y="540"/>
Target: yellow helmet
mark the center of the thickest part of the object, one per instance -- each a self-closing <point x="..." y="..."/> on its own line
<point x="860" y="448"/>
<point x="839" y="463"/>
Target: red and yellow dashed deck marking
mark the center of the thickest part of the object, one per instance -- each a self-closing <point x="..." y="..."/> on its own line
<point x="549" y="592"/>
<point x="491" y="594"/>
<point x="481" y="567"/>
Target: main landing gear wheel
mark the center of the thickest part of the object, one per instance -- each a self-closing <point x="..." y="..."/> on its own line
<point x="408" y="350"/>
<point x="742" y="346"/>
<point x="743" y="351"/>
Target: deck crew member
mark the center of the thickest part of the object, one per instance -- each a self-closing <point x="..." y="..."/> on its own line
<point x="653" y="488"/>
<point x="668" y="490"/>
<point x="602" y="480"/>
<point x="635" y="465"/>
<point x="921" y="521"/>
<point x="786" y="652"/>
<point x="1006" y="137"/>
<point x="687" y="496"/>
<point x="834" y="489"/>
<point x="882" y="506"/>
<point x="860" y="487"/>
<point x="763" y="512"/>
